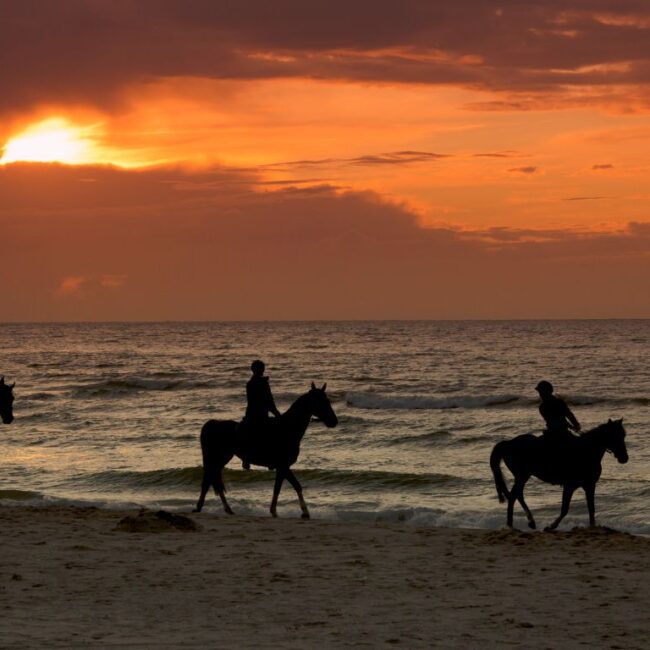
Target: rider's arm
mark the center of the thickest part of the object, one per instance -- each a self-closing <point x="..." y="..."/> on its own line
<point x="271" y="402"/>
<point x="572" y="418"/>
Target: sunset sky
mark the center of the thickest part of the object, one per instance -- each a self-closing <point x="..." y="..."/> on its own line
<point x="292" y="159"/>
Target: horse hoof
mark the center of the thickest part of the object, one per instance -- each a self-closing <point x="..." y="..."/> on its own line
<point x="531" y="524"/>
<point x="305" y="515"/>
<point x="230" y="511"/>
<point x="196" y="510"/>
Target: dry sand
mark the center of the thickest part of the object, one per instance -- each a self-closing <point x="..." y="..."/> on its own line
<point x="69" y="579"/>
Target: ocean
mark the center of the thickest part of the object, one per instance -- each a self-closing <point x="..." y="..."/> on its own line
<point x="109" y="414"/>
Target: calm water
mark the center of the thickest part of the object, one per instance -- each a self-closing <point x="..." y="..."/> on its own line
<point x="110" y="413"/>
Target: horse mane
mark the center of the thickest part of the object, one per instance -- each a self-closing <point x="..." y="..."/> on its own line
<point x="597" y="432"/>
<point x="296" y="404"/>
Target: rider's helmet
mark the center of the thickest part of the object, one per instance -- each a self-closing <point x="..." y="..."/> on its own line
<point x="544" y="387"/>
<point x="258" y="367"/>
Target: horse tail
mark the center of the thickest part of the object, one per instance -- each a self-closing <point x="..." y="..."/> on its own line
<point x="495" y="463"/>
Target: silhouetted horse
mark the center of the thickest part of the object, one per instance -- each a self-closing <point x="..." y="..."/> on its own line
<point x="572" y="465"/>
<point x="277" y="447"/>
<point x="6" y="401"/>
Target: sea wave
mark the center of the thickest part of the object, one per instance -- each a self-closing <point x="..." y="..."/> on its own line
<point x="432" y="438"/>
<point x="38" y="397"/>
<point x="623" y="400"/>
<point x="19" y="495"/>
<point x="180" y="477"/>
<point x="122" y="385"/>
<point x="425" y="402"/>
<point x="412" y="402"/>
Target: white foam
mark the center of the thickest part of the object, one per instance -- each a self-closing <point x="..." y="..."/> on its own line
<point x="490" y="519"/>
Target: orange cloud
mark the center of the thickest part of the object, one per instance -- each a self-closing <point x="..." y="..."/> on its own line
<point x="112" y="281"/>
<point x="71" y="285"/>
<point x="316" y="252"/>
<point x="529" y="169"/>
<point x="83" y="285"/>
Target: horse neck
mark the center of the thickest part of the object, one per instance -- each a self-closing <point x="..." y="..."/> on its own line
<point x="594" y="440"/>
<point x="297" y="417"/>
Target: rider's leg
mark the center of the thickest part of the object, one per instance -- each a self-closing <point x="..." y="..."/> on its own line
<point x="243" y="432"/>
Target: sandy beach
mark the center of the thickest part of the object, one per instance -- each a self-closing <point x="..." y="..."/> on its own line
<point x="70" y="579"/>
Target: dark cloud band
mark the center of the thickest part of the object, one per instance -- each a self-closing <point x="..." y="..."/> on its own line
<point x="87" y="51"/>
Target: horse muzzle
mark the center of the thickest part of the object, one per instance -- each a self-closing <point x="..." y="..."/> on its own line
<point x="623" y="458"/>
<point x="330" y="423"/>
<point x="7" y="419"/>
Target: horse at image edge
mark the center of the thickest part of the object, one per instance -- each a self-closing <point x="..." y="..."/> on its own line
<point x="6" y="401"/>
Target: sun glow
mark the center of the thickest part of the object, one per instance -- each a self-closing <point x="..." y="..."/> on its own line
<point x="53" y="140"/>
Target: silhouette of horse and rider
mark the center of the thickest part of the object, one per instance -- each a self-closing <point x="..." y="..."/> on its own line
<point x="273" y="443"/>
<point x="556" y="457"/>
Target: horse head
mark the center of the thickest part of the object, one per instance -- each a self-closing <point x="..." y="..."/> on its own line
<point x="615" y="440"/>
<point x="6" y="401"/>
<point x="321" y="407"/>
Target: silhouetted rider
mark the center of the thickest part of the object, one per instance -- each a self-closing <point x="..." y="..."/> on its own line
<point x="260" y="403"/>
<point x="557" y="415"/>
<point x="259" y="396"/>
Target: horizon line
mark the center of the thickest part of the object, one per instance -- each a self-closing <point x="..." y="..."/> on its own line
<point x="325" y="320"/>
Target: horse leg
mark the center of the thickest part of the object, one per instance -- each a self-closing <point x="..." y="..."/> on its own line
<point x="590" y="493"/>
<point x="567" y="493"/>
<point x="511" y="506"/>
<point x="279" y="478"/>
<point x="205" y="486"/>
<point x="518" y="491"/>
<point x="291" y="477"/>
<point x="220" y="491"/>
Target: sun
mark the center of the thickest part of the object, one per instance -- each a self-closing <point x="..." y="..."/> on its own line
<point x="53" y="140"/>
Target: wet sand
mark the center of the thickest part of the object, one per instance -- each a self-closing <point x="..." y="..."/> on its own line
<point x="68" y="579"/>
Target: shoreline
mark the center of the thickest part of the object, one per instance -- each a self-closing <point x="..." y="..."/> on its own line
<point x="413" y="516"/>
<point x="69" y="579"/>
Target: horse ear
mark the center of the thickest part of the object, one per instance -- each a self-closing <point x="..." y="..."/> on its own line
<point x="324" y="387"/>
<point x="313" y="386"/>
<point x="609" y="421"/>
<point x="2" y="379"/>
<point x="12" y="386"/>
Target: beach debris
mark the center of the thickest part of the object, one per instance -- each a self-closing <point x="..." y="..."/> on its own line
<point x="156" y="522"/>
